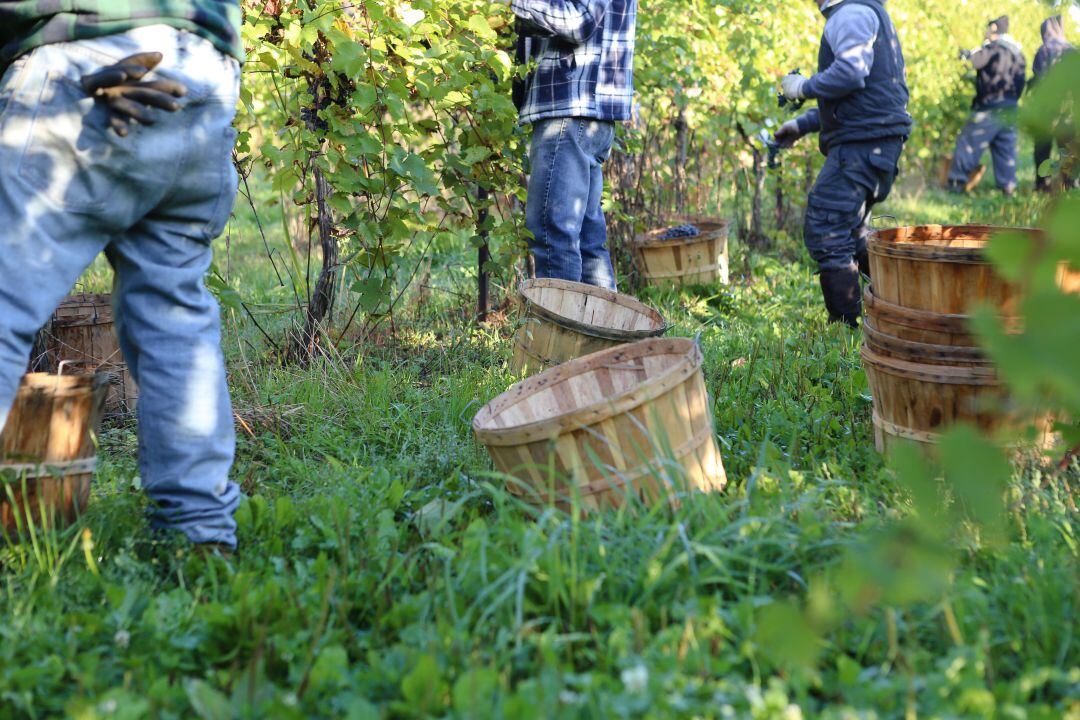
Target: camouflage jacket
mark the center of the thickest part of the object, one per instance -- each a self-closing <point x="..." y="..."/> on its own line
<point x="27" y="24"/>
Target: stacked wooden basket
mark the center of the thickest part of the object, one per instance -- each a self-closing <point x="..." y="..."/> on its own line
<point x="617" y="412"/>
<point x="925" y="368"/>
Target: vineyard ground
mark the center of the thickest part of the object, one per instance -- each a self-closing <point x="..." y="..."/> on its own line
<point x="383" y="572"/>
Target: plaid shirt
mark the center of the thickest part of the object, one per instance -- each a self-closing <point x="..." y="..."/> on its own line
<point x="584" y="53"/>
<point x="27" y="24"/>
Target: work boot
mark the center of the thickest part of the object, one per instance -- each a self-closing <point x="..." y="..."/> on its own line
<point x="840" y="287"/>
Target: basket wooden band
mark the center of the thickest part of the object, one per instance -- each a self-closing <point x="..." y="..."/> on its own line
<point x="543" y="361"/>
<point x="30" y="471"/>
<point x="689" y="271"/>
<point x="702" y="436"/>
<point x="541" y="313"/>
<point x="903" y="432"/>
<point x="961" y="256"/>
<point x="917" y="352"/>
<point x="942" y="374"/>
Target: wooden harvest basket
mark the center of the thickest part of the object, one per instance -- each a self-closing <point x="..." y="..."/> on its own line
<point x="941" y="269"/>
<point x="563" y="320"/>
<point x="82" y="336"/>
<point x="47" y="451"/>
<point x="700" y="260"/>
<point x="918" y="401"/>
<point x="632" y="421"/>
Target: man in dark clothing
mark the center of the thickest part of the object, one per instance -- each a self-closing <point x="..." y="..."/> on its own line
<point x="863" y="120"/>
<point x="116" y="137"/>
<point x="1054" y="47"/>
<point x="1001" y="72"/>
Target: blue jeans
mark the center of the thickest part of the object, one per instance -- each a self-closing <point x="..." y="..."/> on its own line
<point x="993" y="129"/>
<point x="563" y="211"/>
<point x="855" y="177"/>
<point x="152" y="202"/>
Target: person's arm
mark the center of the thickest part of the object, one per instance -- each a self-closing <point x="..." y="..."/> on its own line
<point x="981" y="57"/>
<point x="809" y="122"/>
<point x="572" y="20"/>
<point x="851" y="33"/>
<point x="790" y="132"/>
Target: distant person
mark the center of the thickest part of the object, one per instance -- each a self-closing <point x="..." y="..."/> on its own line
<point x="862" y="116"/>
<point x="116" y="138"/>
<point x="1054" y="47"/>
<point x="582" y="85"/>
<point x="1001" y="73"/>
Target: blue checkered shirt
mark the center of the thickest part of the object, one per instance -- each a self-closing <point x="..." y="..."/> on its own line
<point x="584" y="53"/>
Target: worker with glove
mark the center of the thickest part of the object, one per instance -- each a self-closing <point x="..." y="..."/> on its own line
<point x="116" y="137"/>
<point x="1001" y="73"/>
<point x="863" y="123"/>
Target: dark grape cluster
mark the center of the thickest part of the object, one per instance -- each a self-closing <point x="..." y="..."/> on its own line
<point x="681" y="231"/>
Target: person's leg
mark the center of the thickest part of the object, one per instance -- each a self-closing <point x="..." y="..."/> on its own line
<point x="595" y="139"/>
<point x="559" y="184"/>
<point x="1003" y="148"/>
<point x="835" y="210"/>
<point x="1043" y="151"/>
<point x="972" y="143"/>
<point x="169" y="323"/>
<point x="52" y="199"/>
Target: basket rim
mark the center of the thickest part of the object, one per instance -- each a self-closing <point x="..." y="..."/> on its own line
<point x="718" y="227"/>
<point x="621" y="299"/>
<point x="897" y="242"/>
<point x="548" y="428"/>
<point x="64" y="384"/>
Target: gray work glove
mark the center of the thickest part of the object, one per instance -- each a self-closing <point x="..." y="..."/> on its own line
<point x="794" y="86"/>
<point x="129" y="98"/>
<point x="787" y="134"/>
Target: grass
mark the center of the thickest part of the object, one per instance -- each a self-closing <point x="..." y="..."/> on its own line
<point x="384" y="572"/>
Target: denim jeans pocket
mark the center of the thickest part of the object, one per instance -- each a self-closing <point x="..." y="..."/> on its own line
<point x="67" y="153"/>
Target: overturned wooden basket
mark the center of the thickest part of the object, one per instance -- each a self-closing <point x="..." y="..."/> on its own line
<point x="563" y="320"/>
<point x="630" y="422"/>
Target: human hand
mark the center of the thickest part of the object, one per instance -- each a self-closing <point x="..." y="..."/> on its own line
<point x="128" y="98"/>
<point x="793" y="86"/>
<point x="787" y="134"/>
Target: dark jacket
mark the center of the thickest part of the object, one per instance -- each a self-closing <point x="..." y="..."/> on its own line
<point x="1054" y="46"/>
<point x="879" y="109"/>
<point x="1001" y="73"/>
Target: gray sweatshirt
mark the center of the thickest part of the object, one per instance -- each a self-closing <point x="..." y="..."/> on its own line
<point x="851" y="33"/>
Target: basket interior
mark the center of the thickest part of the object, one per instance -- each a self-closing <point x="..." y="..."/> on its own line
<point x="579" y="385"/>
<point x="614" y="313"/>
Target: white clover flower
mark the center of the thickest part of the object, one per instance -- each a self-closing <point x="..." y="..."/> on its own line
<point x="108" y="707"/>
<point x="122" y="638"/>
<point x="636" y="679"/>
<point x="793" y="712"/>
<point x="569" y="697"/>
